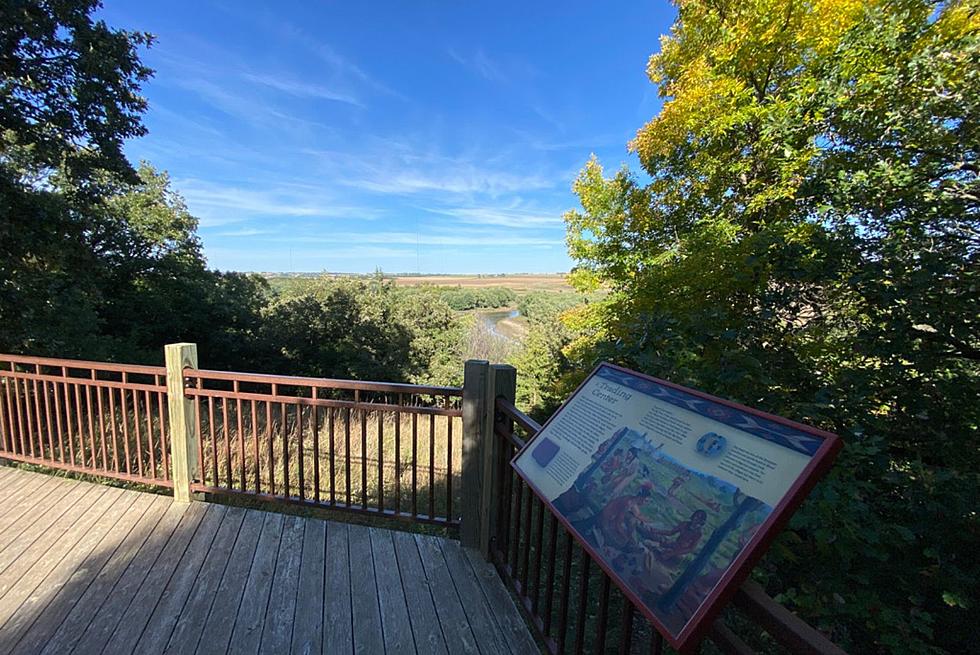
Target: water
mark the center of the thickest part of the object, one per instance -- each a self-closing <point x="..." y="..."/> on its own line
<point x="491" y="319"/>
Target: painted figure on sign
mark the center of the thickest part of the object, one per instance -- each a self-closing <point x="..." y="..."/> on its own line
<point x="678" y="483"/>
<point x="687" y="536"/>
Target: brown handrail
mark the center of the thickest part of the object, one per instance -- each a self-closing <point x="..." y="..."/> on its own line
<point x="325" y="383"/>
<point x="519" y="530"/>
<point x="66" y="414"/>
<point x="80" y="364"/>
<point x="378" y="448"/>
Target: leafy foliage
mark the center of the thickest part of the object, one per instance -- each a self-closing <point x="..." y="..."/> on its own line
<point x="463" y="298"/>
<point x="361" y="328"/>
<point x="807" y="242"/>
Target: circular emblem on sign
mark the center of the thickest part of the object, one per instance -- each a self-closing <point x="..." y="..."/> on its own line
<point x="711" y="444"/>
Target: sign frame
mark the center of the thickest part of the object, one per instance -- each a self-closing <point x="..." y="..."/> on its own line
<point x="699" y="623"/>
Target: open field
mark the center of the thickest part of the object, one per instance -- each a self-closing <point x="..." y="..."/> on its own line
<point x="517" y="282"/>
<point x="539" y="282"/>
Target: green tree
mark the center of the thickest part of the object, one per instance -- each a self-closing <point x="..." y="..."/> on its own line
<point x="69" y="97"/>
<point x="806" y="240"/>
<point x="361" y="328"/>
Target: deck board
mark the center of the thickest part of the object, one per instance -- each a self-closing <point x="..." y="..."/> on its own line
<point x="82" y="610"/>
<point x="247" y="635"/>
<point x="52" y="557"/>
<point x="215" y="633"/>
<point x="307" y="624"/>
<point x="89" y="569"/>
<point x="391" y="597"/>
<point x="368" y="630"/>
<point x="189" y="624"/>
<point x="278" y="626"/>
<point x="338" y="620"/>
<point x="61" y="581"/>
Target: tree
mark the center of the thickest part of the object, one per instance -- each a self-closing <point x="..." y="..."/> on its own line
<point x="70" y="94"/>
<point x="69" y="97"/>
<point x="807" y="242"/>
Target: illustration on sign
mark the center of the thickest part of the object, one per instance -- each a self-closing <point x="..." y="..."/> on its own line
<point x="667" y="487"/>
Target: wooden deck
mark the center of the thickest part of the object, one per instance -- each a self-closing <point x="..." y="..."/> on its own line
<point x="86" y="568"/>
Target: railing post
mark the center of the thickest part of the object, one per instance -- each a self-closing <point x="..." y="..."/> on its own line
<point x="501" y="383"/>
<point x="476" y="373"/>
<point x="183" y="419"/>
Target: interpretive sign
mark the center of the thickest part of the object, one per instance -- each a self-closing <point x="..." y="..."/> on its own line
<point x="674" y="492"/>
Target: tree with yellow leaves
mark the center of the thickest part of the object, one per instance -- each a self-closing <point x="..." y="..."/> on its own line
<point x="805" y="238"/>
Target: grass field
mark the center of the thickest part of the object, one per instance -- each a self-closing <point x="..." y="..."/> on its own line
<point x="517" y="282"/>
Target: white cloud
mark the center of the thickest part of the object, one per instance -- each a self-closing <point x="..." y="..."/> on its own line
<point x="465" y="179"/>
<point x="511" y="216"/>
<point x="220" y="204"/>
<point x="456" y="238"/>
<point x="302" y="89"/>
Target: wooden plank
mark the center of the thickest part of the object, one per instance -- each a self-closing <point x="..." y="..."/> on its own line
<point x="185" y="568"/>
<point x="32" y="527"/>
<point x="476" y="373"/>
<point x="11" y="480"/>
<point x="365" y="613"/>
<point x="191" y="615"/>
<point x="88" y="590"/>
<point x="218" y="620"/>
<point x="47" y="608"/>
<point x="502" y="384"/>
<point x="32" y="495"/>
<point x="183" y="418"/>
<point x="118" y="600"/>
<point x="247" y="633"/>
<point x="421" y="609"/>
<point x="452" y="617"/>
<point x="395" y="619"/>
<point x="32" y="569"/>
<point x="277" y="631"/>
<point x="338" y="622"/>
<point x="489" y="639"/>
<point x="505" y="611"/>
<point x="308" y="622"/>
<point x="5" y="471"/>
<point x="21" y="555"/>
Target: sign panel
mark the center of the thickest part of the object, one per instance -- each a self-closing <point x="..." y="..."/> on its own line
<point x="674" y="492"/>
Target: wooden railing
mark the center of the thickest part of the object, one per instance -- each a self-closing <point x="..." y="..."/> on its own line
<point x="572" y="604"/>
<point x="385" y="449"/>
<point x="427" y="454"/>
<point x="86" y="417"/>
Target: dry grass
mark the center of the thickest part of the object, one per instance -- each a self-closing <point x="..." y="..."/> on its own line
<point x="365" y="459"/>
<point x="540" y="282"/>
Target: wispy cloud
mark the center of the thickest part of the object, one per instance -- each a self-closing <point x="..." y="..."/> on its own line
<point x="426" y="237"/>
<point x="339" y="66"/>
<point x="244" y="232"/>
<point x="482" y="64"/>
<point x="467" y="180"/>
<point x="302" y="89"/>
<point x="507" y="216"/>
<point x="221" y="204"/>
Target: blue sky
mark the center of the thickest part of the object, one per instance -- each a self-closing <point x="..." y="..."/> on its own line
<point x="430" y="137"/>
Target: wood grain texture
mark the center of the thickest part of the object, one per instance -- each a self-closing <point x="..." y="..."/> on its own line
<point x="366" y="615"/>
<point x="90" y="569"/>
<point x="338" y="622"/>
<point x="183" y="418"/>
<point x="250" y="620"/>
<point x="219" y="618"/>
<point x="418" y="596"/>
<point x="308" y="619"/>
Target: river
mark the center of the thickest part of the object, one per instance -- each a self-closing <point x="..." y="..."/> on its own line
<point x="491" y="319"/>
